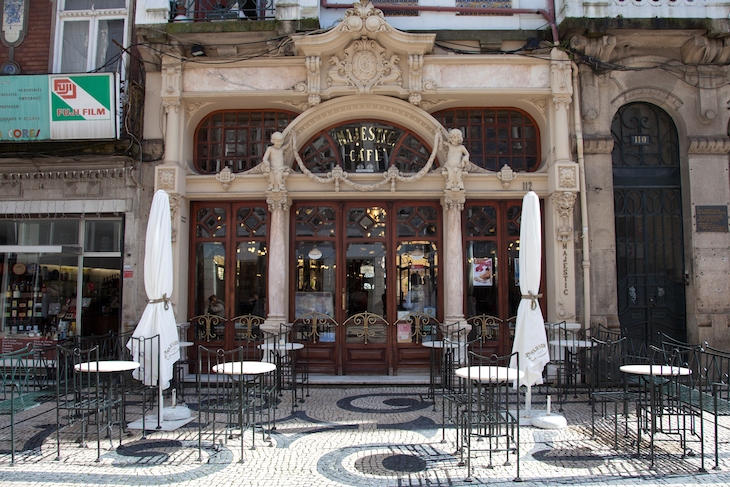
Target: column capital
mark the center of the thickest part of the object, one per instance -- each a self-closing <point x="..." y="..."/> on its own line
<point x="453" y="200"/>
<point x="278" y="200"/>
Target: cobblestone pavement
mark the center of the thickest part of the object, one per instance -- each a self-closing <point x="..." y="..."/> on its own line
<point x="351" y="436"/>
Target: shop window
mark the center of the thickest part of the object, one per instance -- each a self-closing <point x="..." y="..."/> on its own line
<point x="496" y="137"/>
<point x="103" y="236"/>
<point x="236" y="139"/>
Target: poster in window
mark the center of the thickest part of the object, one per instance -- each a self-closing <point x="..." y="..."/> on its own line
<point x="482" y="272"/>
<point x="404" y="332"/>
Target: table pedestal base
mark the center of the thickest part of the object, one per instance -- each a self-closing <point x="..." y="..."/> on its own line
<point x="549" y="421"/>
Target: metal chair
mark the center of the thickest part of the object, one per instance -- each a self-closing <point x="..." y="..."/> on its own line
<point x="609" y="385"/>
<point x="490" y="419"/>
<point x="664" y="408"/>
<point x="81" y="395"/>
<point x="144" y="381"/>
<point x="316" y="331"/>
<point x="569" y="360"/>
<point x="237" y="399"/>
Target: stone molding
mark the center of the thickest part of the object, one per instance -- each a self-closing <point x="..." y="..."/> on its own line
<point x="83" y="174"/>
<point x="365" y="55"/>
<point x="598" y="145"/>
<point x="709" y="145"/>
<point x="647" y="93"/>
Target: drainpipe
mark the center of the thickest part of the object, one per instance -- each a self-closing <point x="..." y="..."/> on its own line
<point x="547" y="15"/>
<point x="583" y="200"/>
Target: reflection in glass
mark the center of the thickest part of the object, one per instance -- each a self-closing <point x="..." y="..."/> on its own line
<point x="210" y="271"/>
<point x="365" y="286"/>
<point x="417" y="263"/>
<point x="315" y="286"/>
<point x="250" y="278"/>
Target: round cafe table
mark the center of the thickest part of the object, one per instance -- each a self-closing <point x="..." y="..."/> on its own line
<point x="244" y="368"/>
<point x="107" y="366"/>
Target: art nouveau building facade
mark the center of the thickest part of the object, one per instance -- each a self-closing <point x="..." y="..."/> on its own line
<point x="360" y="205"/>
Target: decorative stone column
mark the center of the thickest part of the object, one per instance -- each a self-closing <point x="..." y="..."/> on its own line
<point x="452" y="262"/>
<point x="563" y="187"/>
<point x="170" y="176"/>
<point x="279" y="204"/>
<point x="171" y="92"/>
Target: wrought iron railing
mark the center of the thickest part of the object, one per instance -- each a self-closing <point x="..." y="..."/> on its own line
<point x="219" y="10"/>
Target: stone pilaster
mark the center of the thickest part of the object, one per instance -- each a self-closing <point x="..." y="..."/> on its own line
<point x="453" y="256"/>
<point x="279" y="204"/>
<point x="171" y="92"/>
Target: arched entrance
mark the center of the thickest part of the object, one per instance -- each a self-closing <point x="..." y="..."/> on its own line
<point x="648" y="219"/>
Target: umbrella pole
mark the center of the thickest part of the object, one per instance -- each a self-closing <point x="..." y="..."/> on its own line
<point x="160" y="403"/>
<point x="528" y="402"/>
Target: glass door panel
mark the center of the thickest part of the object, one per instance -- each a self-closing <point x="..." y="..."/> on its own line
<point x="315" y="278"/>
<point x="250" y="293"/>
<point x="365" y="281"/>
<point x="482" y="286"/>
<point x="210" y="287"/>
<point x="417" y="263"/>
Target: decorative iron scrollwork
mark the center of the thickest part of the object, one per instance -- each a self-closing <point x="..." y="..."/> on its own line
<point x="209" y="327"/>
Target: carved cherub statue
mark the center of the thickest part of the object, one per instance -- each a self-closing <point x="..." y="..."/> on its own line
<point x="457" y="160"/>
<point x="274" y="163"/>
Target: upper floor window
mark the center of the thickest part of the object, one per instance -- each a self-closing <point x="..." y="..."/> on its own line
<point x="89" y="35"/>
<point x="496" y="136"/>
<point x="236" y="139"/>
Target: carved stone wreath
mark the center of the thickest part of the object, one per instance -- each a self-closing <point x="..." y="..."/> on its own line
<point x="364" y="64"/>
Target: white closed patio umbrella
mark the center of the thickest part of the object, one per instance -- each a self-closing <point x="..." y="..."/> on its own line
<point x="530" y="338"/>
<point x="158" y="317"/>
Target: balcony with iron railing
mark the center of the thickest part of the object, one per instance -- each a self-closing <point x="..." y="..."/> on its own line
<point x="220" y="10"/>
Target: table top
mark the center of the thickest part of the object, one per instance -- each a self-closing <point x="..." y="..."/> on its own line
<point x="489" y="373"/>
<point x="655" y="370"/>
<point x="281" y="346"/>
<point x="244" y="368"/>
<point x="442" y="344"/>
<point x="107" y="366"/>
<point x="571" y="343"/>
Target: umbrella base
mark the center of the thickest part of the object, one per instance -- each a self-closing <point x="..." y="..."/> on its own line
<point x="172" y="419"/>
<point x="550" y="421"/>
<point x="175" y="413"/>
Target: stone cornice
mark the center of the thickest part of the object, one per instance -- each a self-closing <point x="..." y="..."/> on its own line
<point x="709" y="145"/>
<point x="598" y="145"/>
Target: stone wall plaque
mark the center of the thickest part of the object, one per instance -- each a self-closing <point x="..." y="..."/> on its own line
<point x="711" y="218"/>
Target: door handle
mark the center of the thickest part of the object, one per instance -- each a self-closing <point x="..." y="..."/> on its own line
<point x="344" y="306"/>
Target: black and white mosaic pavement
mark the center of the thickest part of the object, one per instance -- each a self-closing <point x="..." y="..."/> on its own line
<point x="360" y="437"/>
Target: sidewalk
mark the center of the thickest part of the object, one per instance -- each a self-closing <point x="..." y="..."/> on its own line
<point x="360" y="436"/>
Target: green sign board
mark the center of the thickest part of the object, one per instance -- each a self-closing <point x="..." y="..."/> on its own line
<point x="57" y="107"/>
<point x="24" y="108"/>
